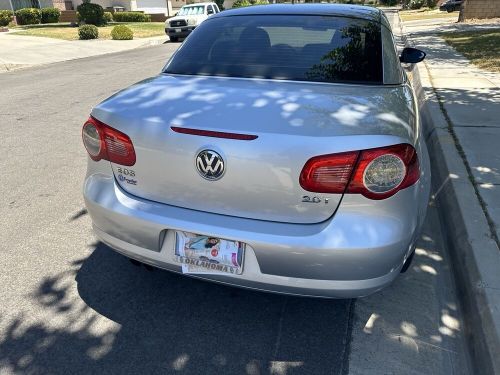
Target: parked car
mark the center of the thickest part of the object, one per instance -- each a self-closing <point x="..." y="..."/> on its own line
<point x="188" y="18"/>
<point x="451" y="6"/>
<point x="280" y="149"/>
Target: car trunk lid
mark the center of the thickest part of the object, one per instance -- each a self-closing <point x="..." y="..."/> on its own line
<point x="274" y="127"/>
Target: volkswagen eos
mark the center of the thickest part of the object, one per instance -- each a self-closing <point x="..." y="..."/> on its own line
<point x="280" y="149"/>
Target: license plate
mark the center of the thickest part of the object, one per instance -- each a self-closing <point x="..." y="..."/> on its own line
<point x="209" y="255"/>
<point x="177" y="30"/>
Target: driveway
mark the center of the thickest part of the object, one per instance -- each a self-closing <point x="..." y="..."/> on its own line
<point x="18" y="51"/>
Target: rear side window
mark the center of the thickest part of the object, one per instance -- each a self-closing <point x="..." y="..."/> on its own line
<point x="292" y="47"/>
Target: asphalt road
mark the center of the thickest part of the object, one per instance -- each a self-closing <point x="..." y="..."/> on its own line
<point x="69" y="304"/>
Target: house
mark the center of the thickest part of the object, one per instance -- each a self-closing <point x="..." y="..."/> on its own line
<point x="166" y="7"/>
<point x="480" y="9"/>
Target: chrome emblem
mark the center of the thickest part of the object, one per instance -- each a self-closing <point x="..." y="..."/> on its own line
<point x="210" y="165"/>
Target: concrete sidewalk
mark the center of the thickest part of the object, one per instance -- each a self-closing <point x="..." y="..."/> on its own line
<point x="463" y="108"/>
<point x="19" y="51"/>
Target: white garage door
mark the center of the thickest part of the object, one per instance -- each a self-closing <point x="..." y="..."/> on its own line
<point x="152" y="6"/>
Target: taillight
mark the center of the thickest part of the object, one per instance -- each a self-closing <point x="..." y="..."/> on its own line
<point x="328" y="173"/>
<point x="375" y="173"/>
<point x="104" y="142"/>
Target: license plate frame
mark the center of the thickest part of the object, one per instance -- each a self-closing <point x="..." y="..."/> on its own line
<point x="203" y="254"/>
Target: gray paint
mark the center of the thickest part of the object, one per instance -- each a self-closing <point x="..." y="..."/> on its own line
<point x="308" y="119"/>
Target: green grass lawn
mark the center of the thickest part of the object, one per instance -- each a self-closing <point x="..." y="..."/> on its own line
<point x="480" y="47"/>
<point x="426" y="14"/>
<point x="66" y="32"/>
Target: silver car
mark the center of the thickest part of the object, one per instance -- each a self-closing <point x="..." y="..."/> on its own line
<point x="280" y="149"/>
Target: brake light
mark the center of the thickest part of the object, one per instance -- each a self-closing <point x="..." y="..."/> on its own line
<point x="104" y="142"/>
<point x="210" y="133"/>
<point x="328" y="173"/>
<point x="375" y="173"/>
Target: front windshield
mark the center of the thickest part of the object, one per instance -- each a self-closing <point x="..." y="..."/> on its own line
<point x="302" y="48"/>
<point x="191" y="11"/>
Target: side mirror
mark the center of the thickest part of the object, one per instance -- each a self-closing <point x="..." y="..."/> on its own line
<point x="412" y="55"/>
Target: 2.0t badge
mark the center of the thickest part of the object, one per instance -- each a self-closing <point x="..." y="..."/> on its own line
<point x="210" y="165"/>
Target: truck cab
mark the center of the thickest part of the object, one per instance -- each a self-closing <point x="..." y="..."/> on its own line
<point x="188" y="18"/>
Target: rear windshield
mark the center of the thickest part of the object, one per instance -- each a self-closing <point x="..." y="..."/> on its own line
<point x="291" y="47"/>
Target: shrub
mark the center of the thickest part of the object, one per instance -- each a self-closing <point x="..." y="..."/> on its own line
<point x="5" y="17"/>
<point x="88" y="32"/>
<point x="241" y="3"/>
<point x="431" y="3"/>
<point x="131" y="17"/>
<point x="415" y="4"/>
<point x="108" y="16"/>
<point x="122" y="32"/>
<point x="247" y="3"/>
<point x="50" y="15"/>
<point x="28" y="16"/>
<point x="390" y="3"/>
<point x="91" y="14"/>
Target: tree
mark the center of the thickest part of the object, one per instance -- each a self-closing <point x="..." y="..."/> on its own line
<point x="461" y="17"/>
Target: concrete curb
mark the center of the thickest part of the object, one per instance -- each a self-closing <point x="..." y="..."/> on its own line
<point x="474" y="254"/>
<point x="6" y="67"/>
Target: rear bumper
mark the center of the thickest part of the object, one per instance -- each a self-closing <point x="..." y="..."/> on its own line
<point x="357" y="252"/>
<point x="253" y="279"/>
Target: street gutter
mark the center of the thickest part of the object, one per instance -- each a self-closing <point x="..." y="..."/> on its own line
<point x="473" y="250"/>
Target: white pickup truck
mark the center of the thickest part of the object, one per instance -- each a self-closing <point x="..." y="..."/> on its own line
<point x="188" y="17"/>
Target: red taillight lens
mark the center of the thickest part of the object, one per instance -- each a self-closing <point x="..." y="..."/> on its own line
<point x="104" y="142"/>
<point x="328" y="173"/>
<point x="376" y="173"/>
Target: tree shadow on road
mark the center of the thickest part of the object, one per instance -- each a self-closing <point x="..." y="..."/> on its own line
<point x="125" y="319"/>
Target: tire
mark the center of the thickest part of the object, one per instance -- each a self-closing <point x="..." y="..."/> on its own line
<point x="408" y="262"/>
<point x="138" y="264"/>
<point x="135" y="262"/>
<point x="174" y="39"/>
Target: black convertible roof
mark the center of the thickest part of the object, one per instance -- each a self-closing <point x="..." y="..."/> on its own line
<point x="344" y="10"/>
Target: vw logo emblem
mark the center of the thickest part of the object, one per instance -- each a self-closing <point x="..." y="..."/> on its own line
<point x="210" y="165"/>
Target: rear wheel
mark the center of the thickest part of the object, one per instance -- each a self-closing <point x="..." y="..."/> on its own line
<point x="407" y="263"/>
<point x="138" y="264"/>
<point x="134" y="262"/>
